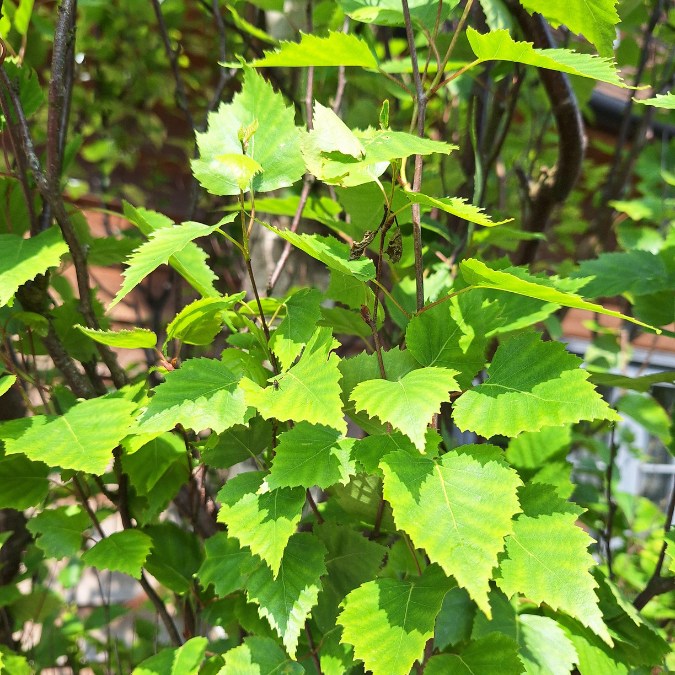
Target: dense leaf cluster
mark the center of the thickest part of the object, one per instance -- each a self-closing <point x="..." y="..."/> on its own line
<point x="368" y="475"/>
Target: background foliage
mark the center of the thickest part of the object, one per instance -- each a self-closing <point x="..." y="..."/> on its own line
<point x="368" y="450"/>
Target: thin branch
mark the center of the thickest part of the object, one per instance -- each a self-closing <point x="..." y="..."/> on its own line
<point x="611" y="504"/>
<point x="555" y="185"/>
<point x="127" y="524"/>
<point x="658" y="585"/>
<point x="172" y="55"/>
<point x="286" y="252"/>
<point x="421" y="107"/>
<point x="55" y="200"/>
<point x="314" y="507"/>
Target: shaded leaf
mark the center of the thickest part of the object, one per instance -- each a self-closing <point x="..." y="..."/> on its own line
<point x="297" y="327"/>
<point x="287" y="601"/>
<point x="175" y="556"/>
<point x="124" y="552"/>
<point x="59" y="531"/>
<point x="22" y="483"/>
<point x="388" y="621"/>
<point x="262" y="521"/>
<point x="224" y="562"/>
<point x="451" y="335"/>
<point x="495" y="654"/>
<point x="390" y="13"/>
<point x="309" y="455"/>
<point x="646" y="411"/>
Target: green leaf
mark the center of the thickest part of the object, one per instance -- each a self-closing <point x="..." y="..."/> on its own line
<point x="295" y="331"/>
<point x="160" y="247"/>
<point x="544" y="647"/>
<point x="259" y="656"/>
<point x="238" y="444"/>
<point x="451" y="335"/>
<point x="336" y="49"/>
<point x="59" y="531"/>
<point x="201" y="320"/>
<point x="147" y="465"/>
<point x="533" y="449"/>
<point x="352" y="560"/>
<point x="175" y="556"/>
<point x="271" y="140"/>
<point x="6" y="383"/>
<point x="381" y="147"/>
<point x="409" y="403"/>
<point x="309" y="391"/>
<point x="13" y="664"/>
<point x="331" y="134"/>
<point x="388" y="621"/>
<point x="531" y="384"/>
<point x="498" y="45"/>
<point x="71" y="441"/>
<point x="659" y="101"/>
<point x="397" y="363"/>
<point x="547" y="561"/>
<point x="478" y="274"/>
<point x="647" y="412"/>
<point x="134" y="338"/>
<point x="636" y="640"/>
<point x="495" y="654"/>
<point x="309" y="455"/>
<point x="183" y="660"/>
<point x="201" y="394"/>
<point x="470" y="532"/>
<point x="643" y="383"/>
<point x="389" y="12"/>
<point x="457" y="207"/>
<point x="630" y="271"/>
<point x="331" y="252"/>
<point x="235" y="170"/>
<point x="453" y="624"/>
<point x="224" y="562"/>
<point x="190" y="262"/>
<point x="23" y="259"/>
<point x="287" y="602"/>
<point x="22" y="483"/>
<point x="594" y="20"/>
<point x="124" y="552"/>
<point x="263" y="521"/>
